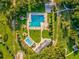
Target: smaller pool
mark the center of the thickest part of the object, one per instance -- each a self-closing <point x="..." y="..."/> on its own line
<point x="28" y="41"/>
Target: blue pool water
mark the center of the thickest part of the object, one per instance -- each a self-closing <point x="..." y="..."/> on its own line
<point x="36" y="20"/>
<point x="28" y="41"/>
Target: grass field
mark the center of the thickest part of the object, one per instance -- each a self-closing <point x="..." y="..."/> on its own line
<point x="6" y="55"/>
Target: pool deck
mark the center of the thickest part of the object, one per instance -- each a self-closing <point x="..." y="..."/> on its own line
<point x="42" y="25"/>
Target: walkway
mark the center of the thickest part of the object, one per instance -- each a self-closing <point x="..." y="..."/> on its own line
<point x="70" y="53"/>
<point x="19" y="55"/>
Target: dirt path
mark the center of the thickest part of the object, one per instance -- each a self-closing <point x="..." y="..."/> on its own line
<point x="58" y="29"/>
<point x="14" y="3"/>
<point x="70" y="53"/>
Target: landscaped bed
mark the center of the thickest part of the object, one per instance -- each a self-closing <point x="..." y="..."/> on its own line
<point x="35" y="35"/>
<point x="6" y="55"/>
<point x="22" y="21"/>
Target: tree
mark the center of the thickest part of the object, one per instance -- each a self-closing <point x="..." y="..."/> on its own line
<point x="5" y="37"/>
<point x="1" y="55"/>
<point x="5" y="5"/>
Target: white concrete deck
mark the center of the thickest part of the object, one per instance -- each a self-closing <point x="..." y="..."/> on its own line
<point x="29" y="20"/>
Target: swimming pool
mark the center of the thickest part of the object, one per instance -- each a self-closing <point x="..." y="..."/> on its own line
<point x="36" y="20"/>
<point x="28" y="41"/>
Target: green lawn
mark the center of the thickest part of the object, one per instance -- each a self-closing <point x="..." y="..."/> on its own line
<point x="11" y="42"/>
<point x="6" y="55"/>
<point x="45" y="34"/>
<point x="35" y="35"/>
